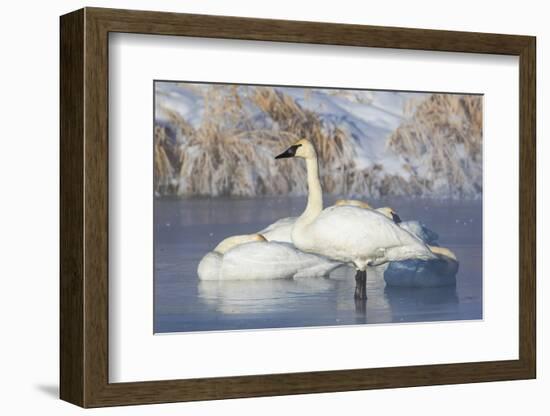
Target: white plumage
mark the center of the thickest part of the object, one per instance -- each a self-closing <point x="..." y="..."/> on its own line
<point x="263" y="260"/>
<point x="280" y="230"/>
<point x="437" y="272"/>
<point x="348" y="234"/>
<point x="359" y="236"/>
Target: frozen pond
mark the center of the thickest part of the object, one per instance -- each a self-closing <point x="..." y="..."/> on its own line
<point x="186" y="229"/>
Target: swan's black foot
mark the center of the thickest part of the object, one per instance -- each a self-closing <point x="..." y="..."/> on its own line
<point x="361" y="285"/>
<point x="360" y="306"/>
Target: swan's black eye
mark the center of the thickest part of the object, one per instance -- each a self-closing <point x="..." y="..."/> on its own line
<point x="290" y="152"/>
<point x="395" y="218"/>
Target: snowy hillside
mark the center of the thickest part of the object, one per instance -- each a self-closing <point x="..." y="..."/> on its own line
<point x="220" y="140"/>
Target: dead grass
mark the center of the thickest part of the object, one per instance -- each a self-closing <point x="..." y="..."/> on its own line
<point x="443" y="138"/>
<point x="232" y="151"/>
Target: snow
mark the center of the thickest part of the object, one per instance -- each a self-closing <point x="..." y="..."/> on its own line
<point x="368" y="117"/>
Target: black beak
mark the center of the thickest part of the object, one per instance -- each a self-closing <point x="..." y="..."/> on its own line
<point x="290" y="152"/>
<point x="396" y="219"/>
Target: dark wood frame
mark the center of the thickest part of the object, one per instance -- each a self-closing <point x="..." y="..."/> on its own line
<point x="84" y="207"/>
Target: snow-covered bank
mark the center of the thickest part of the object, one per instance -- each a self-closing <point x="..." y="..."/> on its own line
<point x="213" y="140"/>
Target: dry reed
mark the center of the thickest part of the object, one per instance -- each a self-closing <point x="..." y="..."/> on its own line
<point x="442" y="145"/>
<point x="231" y="152"/>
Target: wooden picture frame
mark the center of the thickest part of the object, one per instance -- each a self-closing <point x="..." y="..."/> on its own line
<point x="84" y="207"/>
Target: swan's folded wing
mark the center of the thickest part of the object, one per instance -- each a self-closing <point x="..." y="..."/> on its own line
<point x="267" y="260"/>
<point x="347" y="232"/>
<point x="280" y="230"/>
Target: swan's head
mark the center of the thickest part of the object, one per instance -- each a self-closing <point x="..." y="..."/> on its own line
<point x="390" y="213"/>
<point x="302" y="148"/>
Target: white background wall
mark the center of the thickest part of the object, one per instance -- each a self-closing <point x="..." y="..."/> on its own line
<point x="29" y="209"/>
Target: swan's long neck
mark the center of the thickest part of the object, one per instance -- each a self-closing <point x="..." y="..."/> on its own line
<point x="237" y="240"/>
<point x="315" y="193"/>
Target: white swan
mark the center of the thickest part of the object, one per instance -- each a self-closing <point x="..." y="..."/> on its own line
<point x="408" y="273"/>
<point x="252" y="257"/>
<point x="281" y="229"/>
<point x="348" y="234"/>
<point x="438" y="272"/>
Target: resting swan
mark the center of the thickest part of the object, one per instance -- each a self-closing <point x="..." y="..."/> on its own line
<point x="348" y="234"/>
<point x="251" y="256"/>
<point x="424" y="273"/>
<point x="437" y="272"/>
<point x="281" y="229"/>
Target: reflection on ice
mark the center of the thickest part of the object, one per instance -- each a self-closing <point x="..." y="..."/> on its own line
<point x="424" y="273"/>
<point x="413" y="304"/>
<point x="314" y="297"/>
<point x="399" y="296"/>
<point x="398" y="304"/>
<point x="184" y="304"/>
<point x="248" y="296"/>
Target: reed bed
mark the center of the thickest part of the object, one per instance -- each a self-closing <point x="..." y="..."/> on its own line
<point x="442" y="145"/>
<point x="231" y="150"/>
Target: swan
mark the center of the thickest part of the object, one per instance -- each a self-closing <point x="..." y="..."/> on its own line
<point x="437" y="272"/>
<point x="415" y="272"/>
<point x="281" y="229"/>
<point x="348" y="234"/>
<point x="424" y="273"/>
<point x="251" y="256"/>
<point x="414" y="227"/>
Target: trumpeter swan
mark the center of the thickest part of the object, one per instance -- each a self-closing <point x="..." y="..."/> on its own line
<point x="281" y="229"/>
<point x="252" y="257"/>
<point x="348" y="234"/>
<point x="440" y="271"/>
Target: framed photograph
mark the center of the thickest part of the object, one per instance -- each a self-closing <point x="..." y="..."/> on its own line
<point x="256" y="207"/>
